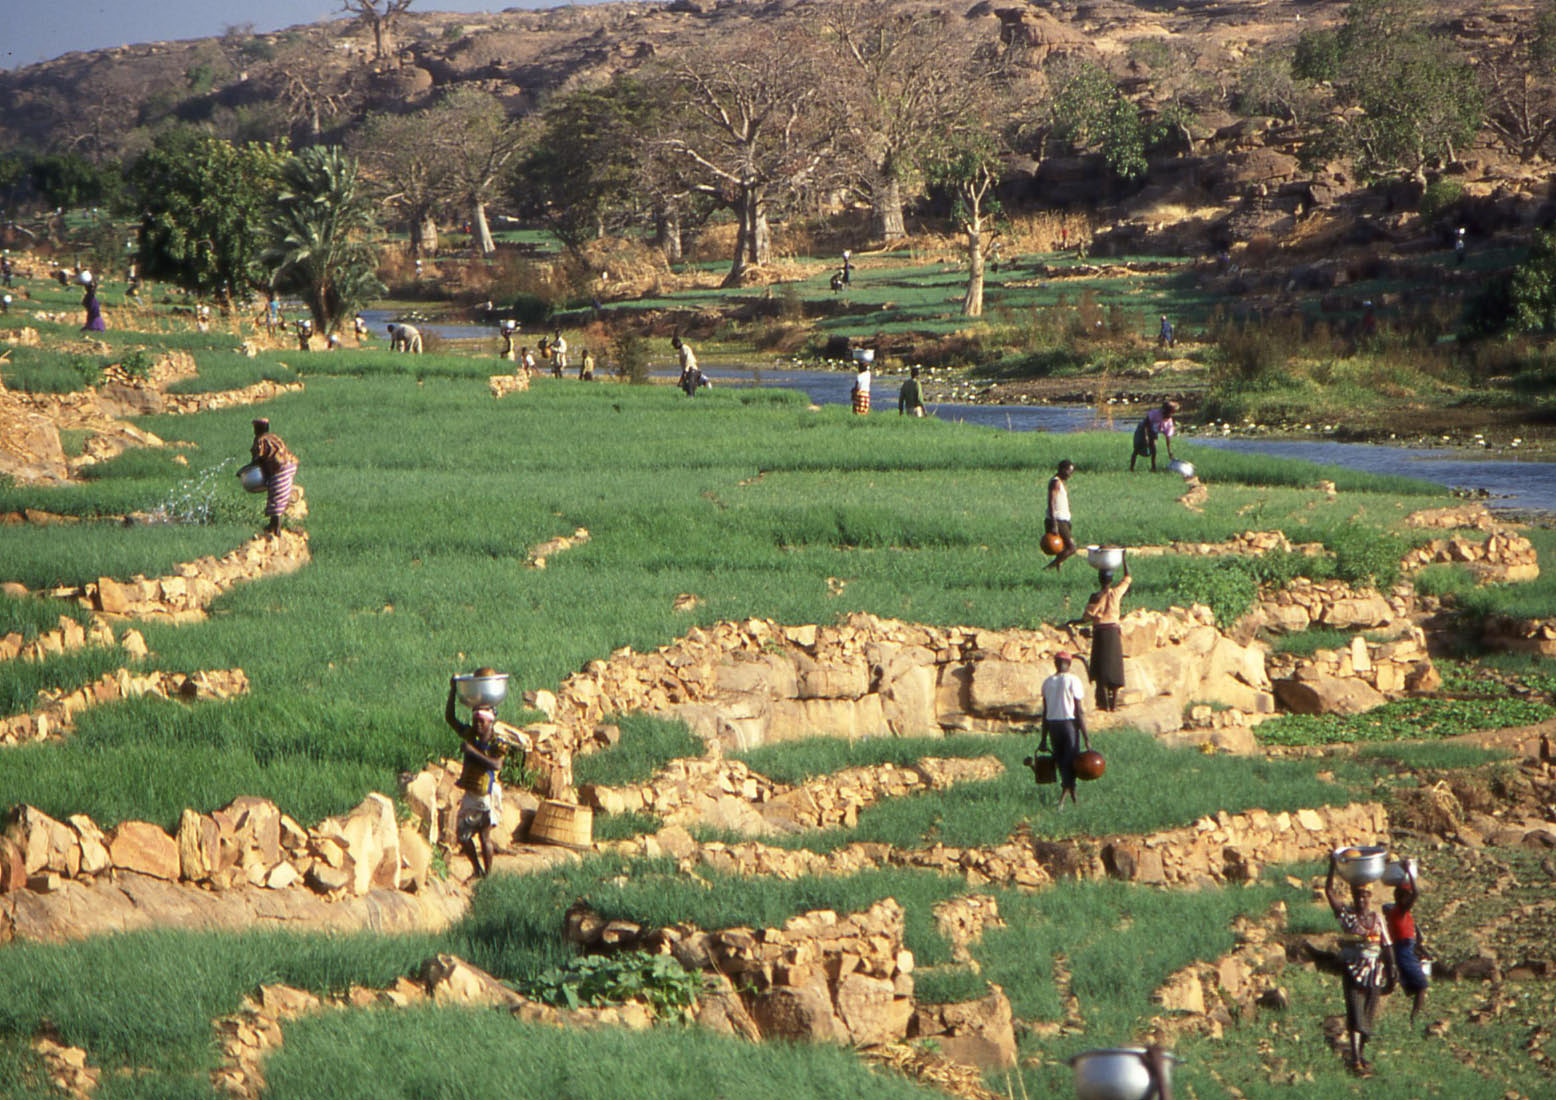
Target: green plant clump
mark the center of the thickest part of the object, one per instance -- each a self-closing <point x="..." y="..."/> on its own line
<point x="657" y="980"/>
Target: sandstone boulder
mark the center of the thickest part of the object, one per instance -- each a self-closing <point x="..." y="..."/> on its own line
<point x="1328" y="695"/>
<point x="199" y="846"/>
<point x="45" y="844"/>
<point x="142" y="847"/>
<point x="1000" y="687"/>
<point x="370" y="839"/>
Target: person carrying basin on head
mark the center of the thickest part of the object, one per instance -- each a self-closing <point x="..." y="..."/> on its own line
<point x="1057" y="519"/>
<point x="1409" y="945"/>
<point x="89" y="302"/>
<point x="1157" y="423"/>
<point x="279" y="466"/>
<point x="480" y="805"/>
<point x="1064" y="717"/>
<point x="1104" y="610"/>
<point x="860" y="392"/>
<point x="1367" y="963"/>
<point x="910" y="399"/>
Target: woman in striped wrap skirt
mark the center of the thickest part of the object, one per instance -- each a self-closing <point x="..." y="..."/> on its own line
<point x="280" y="469"/>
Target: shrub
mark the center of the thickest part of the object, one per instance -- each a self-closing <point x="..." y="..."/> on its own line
<point x="630" y="353"/>
<point x="1364" y="555"/>
<point x="658" y="980"/>
<point x="1439" y="198"/>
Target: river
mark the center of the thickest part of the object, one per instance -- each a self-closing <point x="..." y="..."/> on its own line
<point x="1523" y="486"/>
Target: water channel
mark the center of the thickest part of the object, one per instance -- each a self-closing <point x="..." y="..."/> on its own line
<point x="1524" y="486"/>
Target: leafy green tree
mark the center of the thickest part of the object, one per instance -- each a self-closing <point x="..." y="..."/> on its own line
<point x="69" y="181"/>
<point x="1532" y="288"/>
<point x="1419" y="101"/>
<point x="204" y="203"/>
<point x="586" y="169"/>
<point x="318" y="236"/>
<point x="1089" y="111"/>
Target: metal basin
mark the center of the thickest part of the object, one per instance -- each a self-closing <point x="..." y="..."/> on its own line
<point x="1108" y="559"/>
<point x="1181" y="468"/>
<point x="1394" y="873"/>
<point x="1361" y="865"/>
<point x="1118" y="1073"/>
<point x="252" y="478"/>
<point x="481" y="691"/>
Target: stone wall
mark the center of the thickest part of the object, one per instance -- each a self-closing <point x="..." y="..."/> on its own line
<point x="1248" y="544"/>
<point x="1508" y="632"/>
<point x="68" y="637"/>
<point x="1224" y="847"/>
<point x="502" y="385"/>
<point x="59" y="708"/>
<point x="1305" y="604"/>
<point x="1502" y="557"/>
<point x="726" y="794"/>
<point x="1364" y="675"/>
<point x="186" y="403"/>
<point x="746" y="684"/>
<point x="1206" y="998"/>
<point x="183" y="596"/>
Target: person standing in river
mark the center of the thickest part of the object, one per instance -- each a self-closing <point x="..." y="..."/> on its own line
<point x="1057" y="519"/>
<point x="910" y="399"/>
<point x="1104" y="611"/>
<point x="279" y="466"/>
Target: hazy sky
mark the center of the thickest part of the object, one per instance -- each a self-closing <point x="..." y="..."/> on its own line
<point x="36" y="30"/>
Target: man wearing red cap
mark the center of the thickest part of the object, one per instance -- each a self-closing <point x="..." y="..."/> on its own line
<point x="279" y="466"/>
<point x="1063" y="717"/>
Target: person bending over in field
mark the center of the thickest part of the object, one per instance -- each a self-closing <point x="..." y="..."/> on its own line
<point x="1064" y="717"/>
<point x="1156" y="424"/>
<point x="279" y="466"/>
<point x="480" y="806"/>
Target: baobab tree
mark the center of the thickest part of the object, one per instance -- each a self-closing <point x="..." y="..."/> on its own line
<point x="748" y="131"/>
<point x="380" y="16"/>
<point x="899" y="79"/>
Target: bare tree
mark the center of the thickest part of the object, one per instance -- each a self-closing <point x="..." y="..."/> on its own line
<point x="408" y="170"/>
<point x="479" y="140"/>
<point x="899" y="78"/>
<point x="1518" y="80"/>
<point x="380" y="16"/>
<point x="748" y="133"/>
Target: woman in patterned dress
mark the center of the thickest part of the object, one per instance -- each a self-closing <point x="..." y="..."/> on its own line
<point x="1368" y="964"/>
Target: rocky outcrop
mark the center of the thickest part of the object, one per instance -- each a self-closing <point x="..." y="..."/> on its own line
<point x="1358" y="678"/>
<point x="55" y="717"/>
<point x="184" y="595"/>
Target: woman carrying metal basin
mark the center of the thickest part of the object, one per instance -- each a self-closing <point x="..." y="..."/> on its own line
<point x="1103" y="611"/>
<point x="1367" y="962"/>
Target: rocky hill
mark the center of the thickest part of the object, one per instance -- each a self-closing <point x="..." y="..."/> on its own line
<point x="1240" y="178"/>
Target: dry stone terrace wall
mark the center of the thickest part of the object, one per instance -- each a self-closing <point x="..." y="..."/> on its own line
<point x="1356" y="679"/>
<point x="751" y="683"/>
<point x="1224" y="847"/>
<point x="726" y="794"/>
<point x="57" y="714"/>
<point x="184" y="595"/>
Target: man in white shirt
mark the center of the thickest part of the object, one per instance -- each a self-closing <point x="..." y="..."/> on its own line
<point x="1064" y="717"/>
<point x="1057" y="521"/>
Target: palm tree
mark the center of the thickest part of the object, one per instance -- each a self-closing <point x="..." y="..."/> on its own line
<point x="318" y="247"/>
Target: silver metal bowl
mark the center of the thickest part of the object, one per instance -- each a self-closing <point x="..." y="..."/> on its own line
<point x="481" y="691"/>
<point x="864" y="355"/>
<point x="1117" y="1073"/>
<point x="1181" y="468"/>
<point x="1364" y="866"/>
<point x="1394" y="873"/>
<point x="252" y="478"/>
<point x="1105" y="558"/>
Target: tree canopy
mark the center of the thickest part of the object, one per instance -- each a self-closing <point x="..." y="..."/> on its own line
<point x="204" y="203"/>
<point x="318" y="236"/>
